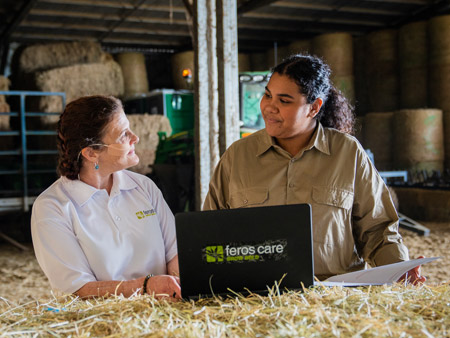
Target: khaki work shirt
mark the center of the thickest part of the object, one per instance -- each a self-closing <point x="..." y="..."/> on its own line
<point x="354" y="219"/>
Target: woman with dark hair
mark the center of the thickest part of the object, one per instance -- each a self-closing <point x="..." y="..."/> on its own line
<point x="99" y="229"/>
<point x="306" y="154"/>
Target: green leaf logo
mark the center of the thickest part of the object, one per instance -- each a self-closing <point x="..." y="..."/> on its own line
<point x="214" y="254"/>
<point x="140" y="215"/>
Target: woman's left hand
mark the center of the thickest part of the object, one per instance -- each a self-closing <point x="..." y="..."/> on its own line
<point x="413" y="276"/>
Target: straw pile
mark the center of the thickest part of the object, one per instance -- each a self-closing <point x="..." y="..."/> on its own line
<point x="396" y="310"/>
<point x="378" y="311"/>
<point x="147" y="126"/>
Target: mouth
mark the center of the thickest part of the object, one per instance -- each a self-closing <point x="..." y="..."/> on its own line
<point x="272" y="120"/>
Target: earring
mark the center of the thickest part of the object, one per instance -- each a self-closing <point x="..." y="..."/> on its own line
<point x="96" y="166"/>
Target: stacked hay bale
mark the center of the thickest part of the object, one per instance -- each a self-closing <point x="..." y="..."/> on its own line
<point x="378" y="138"/>
<point x="4" y="107"/>
<point x="413" y="65"/>
<point x="258" y="62"/>
<point x="76" y="68"/>
<point x="180" y="61"/>
<point x="439" y="73"/>
<point x="134" y="73"/>
<point x="418" y="137"/>
<point x="281" y="52"/>
<point x="147" y="126"/>
<point x="244" y="62"/>
<point x="337" y="50"/>
<point x="382" y="70"/>
<point x="359" y="69"/>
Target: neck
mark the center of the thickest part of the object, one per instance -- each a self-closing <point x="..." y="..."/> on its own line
<point x="96" y="179"/>
<point x="295" y="144"/>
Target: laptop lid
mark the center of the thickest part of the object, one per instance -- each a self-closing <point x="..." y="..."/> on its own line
<point x="246" y="249"/>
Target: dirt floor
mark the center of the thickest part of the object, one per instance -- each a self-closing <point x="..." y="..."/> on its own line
<point x="21" y="279"/>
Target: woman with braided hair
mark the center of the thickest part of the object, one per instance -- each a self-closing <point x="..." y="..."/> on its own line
<point x="100" y="229"/>
<point x="306" y="154"/>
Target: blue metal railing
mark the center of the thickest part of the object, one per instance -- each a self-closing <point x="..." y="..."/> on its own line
<point x="23" y="132"/>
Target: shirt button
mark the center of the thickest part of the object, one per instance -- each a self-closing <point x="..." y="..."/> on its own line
<point x="291" y="185"/>
<point x="292" y="160"/>
<point x="245" y="201"/>
<point x="117" y="218"/>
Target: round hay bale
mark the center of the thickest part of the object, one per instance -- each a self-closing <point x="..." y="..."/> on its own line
<point x="359" y="68"/>
<point x="394" y="197"/>
<point x="447" y="138"/>
<point x="182" y="61"/>
<point x="55" y="55"/>
<point x="259" y="62"/>
<point x="418" y="139"/>
<point x="439" y="86"/>
<point x="413" y="64"/>
<point x="378" y="138"/>
<point x="134" y="73"/>
<point x="244" y="62"/>
<point x="382" y="70"/>
<point x="346" y="84"/>
<point x="300" y="47"/>
<point x="359" y="129"/>
<point x="439" y="35"/>
<point x="337" y="50"/>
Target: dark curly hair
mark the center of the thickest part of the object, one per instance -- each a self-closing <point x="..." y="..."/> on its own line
<point x="82" y="123"/>
<point x="312" y="76"/>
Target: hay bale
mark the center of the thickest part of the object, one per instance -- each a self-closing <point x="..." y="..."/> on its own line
<point x="78" y="80"/>
<point x="418" y="139"/>
<point x="361" y="92"/>
<point x="282" y="53"/>
<point x="4" y="107"/>
<point x="134" y="73"/>
<point x="147" y="126"/>
<point x="382" y="70"/>
<point x="413" y="64"/>
<point x="57" y="55"/>
<point x="182" y="61"/>
<point x="337" y="51"/>
<point x="300" y="46"/>
<point x="447" y="139"/>
<point x="378" y="138"/>
<point x="244" y="62"/>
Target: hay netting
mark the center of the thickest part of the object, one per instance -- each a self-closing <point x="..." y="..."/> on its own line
<point x="103" y="78"/>
<point x="147" y="126"/>
<point x="397" y="311"/>
<point x="56" y="55"/>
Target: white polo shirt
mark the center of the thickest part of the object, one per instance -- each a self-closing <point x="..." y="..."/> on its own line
<point x="81" y="234"/>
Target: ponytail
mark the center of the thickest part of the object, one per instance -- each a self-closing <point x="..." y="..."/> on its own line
<point x="337" y="112"/>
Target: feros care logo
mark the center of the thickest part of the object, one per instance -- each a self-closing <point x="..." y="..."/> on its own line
<point x="214" y="254"/>
<point x="245" y="252"/>
<point x="145" y="213"/>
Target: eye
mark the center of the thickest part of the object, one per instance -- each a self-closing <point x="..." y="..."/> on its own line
<point x="284" y="101"/>
<point x="267" y="95"/>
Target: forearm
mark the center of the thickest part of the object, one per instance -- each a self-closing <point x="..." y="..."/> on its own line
<point x="173" y="268"/>
<point x="108" y="288"/>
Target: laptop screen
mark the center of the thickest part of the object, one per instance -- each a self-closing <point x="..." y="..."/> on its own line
<point x="244" y="250"/>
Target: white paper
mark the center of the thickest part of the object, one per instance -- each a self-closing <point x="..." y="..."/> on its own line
<point x="385" y="274"/>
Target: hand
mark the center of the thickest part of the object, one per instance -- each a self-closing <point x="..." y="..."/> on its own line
<point x="164" y="287"/>
<point x="413" y="276"/>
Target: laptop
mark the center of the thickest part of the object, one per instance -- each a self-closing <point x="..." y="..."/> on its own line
<point x="244" y="250"/>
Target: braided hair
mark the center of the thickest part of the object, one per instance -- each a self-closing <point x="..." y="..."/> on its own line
<point x="82" y="124"/>
<point x="312" y="76"/>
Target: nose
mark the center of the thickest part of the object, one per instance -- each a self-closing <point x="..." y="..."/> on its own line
<point x="267" y="106"/>
<point x="134" y="138"/>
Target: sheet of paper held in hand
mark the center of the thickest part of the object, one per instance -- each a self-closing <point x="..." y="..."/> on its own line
<point x="386" y="274"/>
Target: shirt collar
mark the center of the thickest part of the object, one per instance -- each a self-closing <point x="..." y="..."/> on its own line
<point x="319" y="140"/>
<point x="82" y="192"/>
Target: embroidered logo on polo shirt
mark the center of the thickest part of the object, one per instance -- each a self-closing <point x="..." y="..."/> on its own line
<point x="145" y="213"/>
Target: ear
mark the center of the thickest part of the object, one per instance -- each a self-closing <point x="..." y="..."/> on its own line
<point x="89" y="154"/>
<point x="315" y="107"/>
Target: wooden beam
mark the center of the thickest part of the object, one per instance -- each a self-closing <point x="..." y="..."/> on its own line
<point x="118" y="5"/>
<point x="251" y="5"/>
<point x="20" y="15"/>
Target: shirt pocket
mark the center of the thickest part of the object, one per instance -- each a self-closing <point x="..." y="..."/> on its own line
<point x="334" y="197"/>
<point x="249" y="197"/>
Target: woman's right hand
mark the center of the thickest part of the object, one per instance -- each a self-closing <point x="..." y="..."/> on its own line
<point x="164" y="287"/>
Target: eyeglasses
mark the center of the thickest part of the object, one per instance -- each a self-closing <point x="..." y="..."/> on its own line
<point x="115" y="149"/>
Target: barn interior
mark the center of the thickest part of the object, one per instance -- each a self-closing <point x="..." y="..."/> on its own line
<point x="165" y="60"/>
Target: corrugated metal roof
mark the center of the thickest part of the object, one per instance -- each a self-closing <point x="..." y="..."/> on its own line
<point x="166" y="24"/>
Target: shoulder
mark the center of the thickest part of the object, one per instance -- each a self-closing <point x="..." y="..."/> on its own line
<point x="251" y="143"/>
<point x="53" y="200"/>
